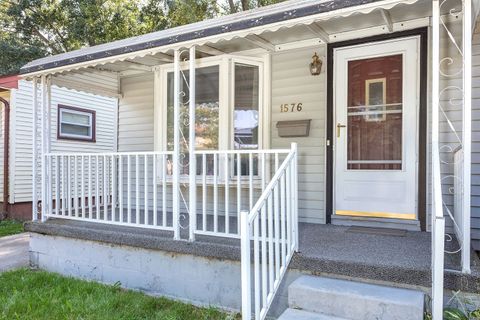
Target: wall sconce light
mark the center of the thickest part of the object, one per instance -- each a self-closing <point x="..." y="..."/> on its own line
<point x="316" y="65"/>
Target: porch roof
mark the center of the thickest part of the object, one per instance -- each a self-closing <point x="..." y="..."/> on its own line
<point x="267" y="19"/>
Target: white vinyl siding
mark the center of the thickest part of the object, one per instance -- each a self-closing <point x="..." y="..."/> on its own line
<point x="293" y="83"/>
<point x="21" y="132"/>
<point x="136" y="118"/>
<point x="475" y="205"/>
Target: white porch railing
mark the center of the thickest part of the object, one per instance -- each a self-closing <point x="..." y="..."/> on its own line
<point x="137" y="188"/>
<point x="116" y="188"/>
<point x="229" y="182"/>
<point x="272" y="225"/>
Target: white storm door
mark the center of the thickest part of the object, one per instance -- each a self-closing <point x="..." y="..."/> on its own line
<point x="376" y="107"/>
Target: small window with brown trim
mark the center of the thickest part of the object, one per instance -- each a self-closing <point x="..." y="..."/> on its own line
<point x="75" y="123"/>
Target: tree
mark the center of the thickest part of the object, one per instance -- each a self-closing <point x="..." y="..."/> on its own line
<point x="16" y="53"/>
<point x="31" y="29"/>
<point x="65" y="25"/>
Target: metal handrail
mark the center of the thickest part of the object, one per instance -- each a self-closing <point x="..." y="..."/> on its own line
<point x="276" y="211"/>
<point x="269" y="188"/>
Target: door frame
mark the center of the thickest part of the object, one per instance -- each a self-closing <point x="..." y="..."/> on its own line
<point x="422" y="118"/>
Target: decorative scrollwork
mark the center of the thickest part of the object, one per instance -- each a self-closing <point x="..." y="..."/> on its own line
<point x="184" y="145"/>
<point x="451" y="99"/>
<point x="451" y="189"/>
<point x="445" y="149"/>
<point x="448" y="62"/>
<point x="454" y="11"/>
<point x="454" y="101"/>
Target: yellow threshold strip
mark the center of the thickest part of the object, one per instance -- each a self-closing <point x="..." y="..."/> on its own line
<point x="404" y="216"/>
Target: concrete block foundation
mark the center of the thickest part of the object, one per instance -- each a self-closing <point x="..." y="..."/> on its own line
<point x="199" y="280"/>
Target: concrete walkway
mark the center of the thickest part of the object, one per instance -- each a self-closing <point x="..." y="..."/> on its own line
<point x="14" y="251"/>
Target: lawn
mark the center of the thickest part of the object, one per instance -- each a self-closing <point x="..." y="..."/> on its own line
<point x="28" y="294"/>
<point x="10" y="227"/>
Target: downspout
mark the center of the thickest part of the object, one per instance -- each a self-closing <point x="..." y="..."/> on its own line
<point x="6" y="149"/>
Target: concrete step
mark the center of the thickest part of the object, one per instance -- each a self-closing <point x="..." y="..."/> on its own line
<point x="355" y="300"/>
<point x="295" y="314"/>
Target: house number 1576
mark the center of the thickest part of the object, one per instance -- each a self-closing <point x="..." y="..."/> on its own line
<point x="291" y="107"/>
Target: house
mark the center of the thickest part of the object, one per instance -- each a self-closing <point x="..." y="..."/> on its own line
<point x="316" y="155"/>
<point x="17" y="132"/>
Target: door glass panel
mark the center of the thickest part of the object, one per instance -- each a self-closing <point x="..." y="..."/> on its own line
<point x="246" y="113"/>
<point x="246" y="107"/>
<point x="374" y="114"/>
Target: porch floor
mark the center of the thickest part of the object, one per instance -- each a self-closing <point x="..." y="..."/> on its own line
<point x="331" y="250"/>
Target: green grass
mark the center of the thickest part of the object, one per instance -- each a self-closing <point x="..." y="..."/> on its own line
<point x="10" y="227"/>
<point x="28" y="294"/>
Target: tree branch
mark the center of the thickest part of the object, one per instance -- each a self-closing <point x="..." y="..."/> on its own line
<point x="61" y="41"/>
<point x="47" y="42"/>
<point x="233" y="8"/>
<point x="245" y="5"/>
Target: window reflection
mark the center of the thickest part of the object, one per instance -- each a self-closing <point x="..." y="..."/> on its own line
<point x="246" y="109"/>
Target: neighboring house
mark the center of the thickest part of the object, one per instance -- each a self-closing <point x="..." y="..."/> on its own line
<point x="331" y="138"/>
<point x="70" y="132"/>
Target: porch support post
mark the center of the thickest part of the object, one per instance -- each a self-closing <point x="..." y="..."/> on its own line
<point x="438" y="221"/>
<point x="245" y="266"/>
<point x="191" y="146"/>
<point x="47" y="138"/>
<point x="467" y="131"/>
<point x="34" y="149"/>
<point x="43" y="117"/>
<point x="176" y="144"/>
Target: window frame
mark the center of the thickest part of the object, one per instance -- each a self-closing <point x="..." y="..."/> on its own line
<point x="226" y="64"/>
<point x="72" y="137"/>
<point x="261" y="94"/>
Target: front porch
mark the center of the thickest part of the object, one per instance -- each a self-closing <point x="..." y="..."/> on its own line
<point x="394" y="258"/>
